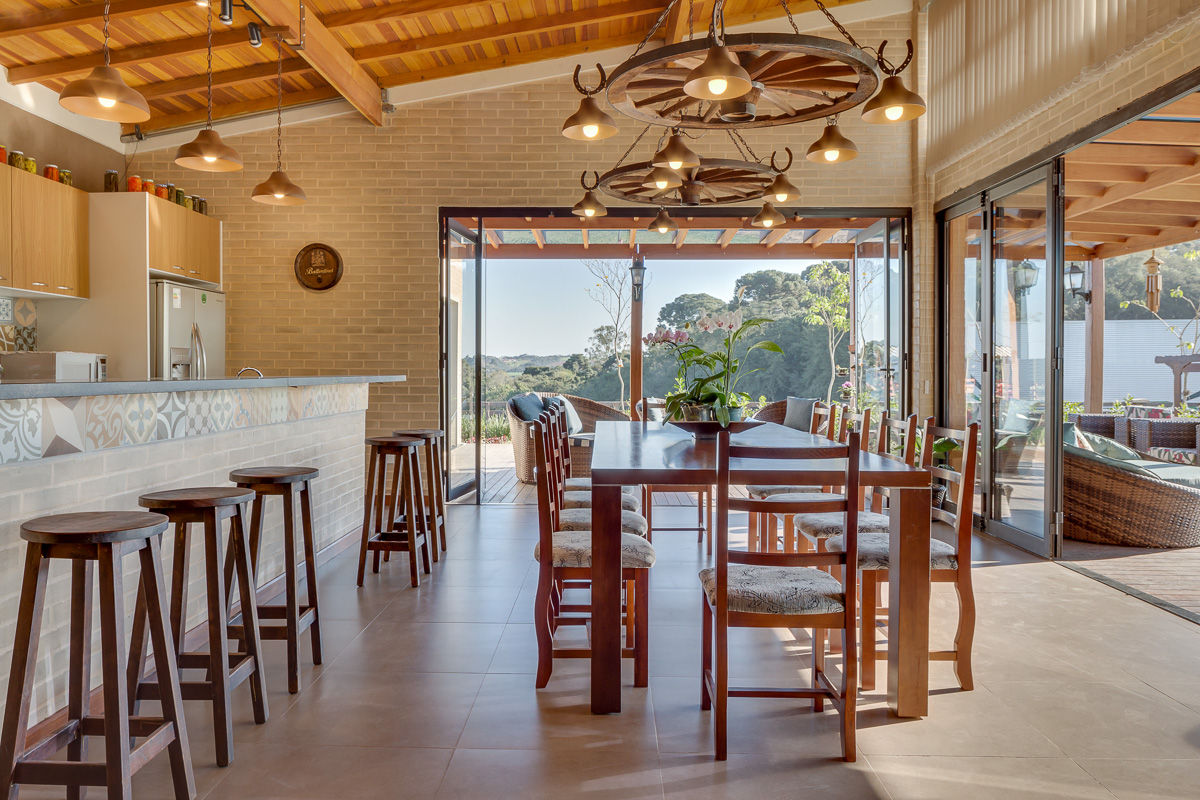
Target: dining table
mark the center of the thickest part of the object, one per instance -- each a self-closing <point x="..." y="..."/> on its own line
<point x="631" y="453"/>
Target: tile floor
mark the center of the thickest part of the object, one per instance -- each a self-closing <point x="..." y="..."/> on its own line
<point x="1082" y="692"/>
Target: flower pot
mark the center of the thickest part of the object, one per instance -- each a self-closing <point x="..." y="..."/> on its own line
<point x="695" y="412"/>
<point x="737" y="414"/>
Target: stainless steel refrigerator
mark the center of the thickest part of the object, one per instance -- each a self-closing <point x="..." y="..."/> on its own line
<point x="187" y="331"/>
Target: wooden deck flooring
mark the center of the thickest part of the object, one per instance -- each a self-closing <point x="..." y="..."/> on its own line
<point x="1168" y="578"/>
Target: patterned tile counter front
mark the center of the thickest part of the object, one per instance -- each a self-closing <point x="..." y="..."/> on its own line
<point x="45" y="427"/>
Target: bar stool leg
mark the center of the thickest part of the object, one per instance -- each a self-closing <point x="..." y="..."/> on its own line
<point x="180" y="565"/>
<point x="251" y="636"/>
<point x="410" y="515"/>
<point x="368" y="502"/>
<point x="439" y="488"/>
<point x="310" y="570"/>
<point x="116" y="696"/>
<point x="293" y="604"/>
<point x="218" y="641"/>
<point x="428" y="504"/>
<point x="24" y="662"/>
<point x="80" y="681"/>
<point x="418" y="491"/>
<point x="165" y="667"/>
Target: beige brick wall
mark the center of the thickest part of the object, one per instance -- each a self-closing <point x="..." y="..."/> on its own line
<point x="374" y="194"/>
<point x="113" y="480"/>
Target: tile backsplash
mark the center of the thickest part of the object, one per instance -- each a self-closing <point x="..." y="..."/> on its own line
<point x="18" y="324"/>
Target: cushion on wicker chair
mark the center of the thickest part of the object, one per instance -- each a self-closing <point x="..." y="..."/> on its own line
<point x="762" y="491"/>
<point x="777" y="590"/>
<point x="528" y="406"/>
<point x="825" y="524"/>
<point x="873" y="551"/>
<point x="580" y="519"/>
<point x="799" y="412"/>
<point x="574" y="549"/>
<point x="629" y="502"/>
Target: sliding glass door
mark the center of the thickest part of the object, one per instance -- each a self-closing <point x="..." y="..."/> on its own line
<point x="460" y="362"/>
<point x="880" y="318"/>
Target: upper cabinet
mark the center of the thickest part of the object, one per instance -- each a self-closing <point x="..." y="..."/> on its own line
<point x="47" y="233"/>
<point x="184" y="242"/>
<point x="6" y="270"/>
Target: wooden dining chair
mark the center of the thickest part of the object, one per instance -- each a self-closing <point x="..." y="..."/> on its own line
<point x="703" y="493"/>
<point x="757" y="526"/>
<point x="565" y="560"/>
<point x="950" y="561"/>
<point x="781" y="590"/>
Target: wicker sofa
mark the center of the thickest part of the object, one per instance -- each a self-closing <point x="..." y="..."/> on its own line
<point x="590" y="412"/>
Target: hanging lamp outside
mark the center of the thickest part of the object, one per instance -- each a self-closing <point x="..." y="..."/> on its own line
<point x="894" y="103"/>
<point x="278" y="189"/>
<point x="832" y="148"/>
<point x="207" y="153"/>
<point x="719" y="77"/>
<point x="103" y="94"/>
<point x="662" y="223"/>
<point x="676" y="154"/>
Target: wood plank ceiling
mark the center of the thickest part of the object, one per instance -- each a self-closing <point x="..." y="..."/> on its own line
<point x="353" y="48"/>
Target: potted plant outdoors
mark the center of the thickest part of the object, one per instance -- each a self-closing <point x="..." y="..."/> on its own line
<point x="706" y="383"/>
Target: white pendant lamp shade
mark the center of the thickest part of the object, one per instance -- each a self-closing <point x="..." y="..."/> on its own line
<point x="278" y="190"/>
<point x="832" y="147"/>
<point x="719" y="77"/>
<point x="104" y="95"/>
<point x="894" y="103"/>
<point x="207" y="153"/>
<point x="589" y="123"/>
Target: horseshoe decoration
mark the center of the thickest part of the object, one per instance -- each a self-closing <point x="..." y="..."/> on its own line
<point x="579" y="87"/>
<point x="786" y="166"/>
<point x="595" y="180"/>
<point x="883" y="63"/>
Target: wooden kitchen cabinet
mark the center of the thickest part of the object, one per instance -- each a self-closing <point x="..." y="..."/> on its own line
<point x="6" y="270"/>
<point x="183" y="242"/>
<point x="49" y="235"/>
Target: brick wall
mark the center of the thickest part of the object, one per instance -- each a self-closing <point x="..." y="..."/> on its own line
<point x="374" y="194"/>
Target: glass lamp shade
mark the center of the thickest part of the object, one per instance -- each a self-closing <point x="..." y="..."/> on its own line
<point x="589" y="123"/>
<point x="719" y="77"/>
<point x="278" y="190"/>
<point x="676" y="155"/>
<point x="1075" y="277"/>
<point x="207" y="153"/>
<point x="104" y="95"/>
<point x="662" y="223"/>
<point x="662" y="178"/>
<point x="589" y="207"/>
<point x="783" y="189"/>
<point x="769" y="217"/>
<point x="894" y="103"/>
<point x="1025" y="276"/>
<point x="832" y="147"/>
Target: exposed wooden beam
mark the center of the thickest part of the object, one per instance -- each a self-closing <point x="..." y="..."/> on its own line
<point x="228" y="77"/>
<point x="1140" y="243"/>
<point x="1082" y="228"/>
<point x="667" y="250"/>
<point x="1085" y="189"/>
<point x="1113" y="217"/>
<point x="584" y="233"/>
<point x="631" y="9"/>
<point x="492" y="237"/>
<point x="820" y="236"/>
<point x="774" y="237"/>
<point x="727" y="237"/>
<point x="326" y="54"/>
<point x="538" y="238"/>
<point x="697" y="222"/>
<point x="88" y="14"/>
<point x="1144" y="131"/>
<point x="1126" y="191"/>
<point x="680" y="237"/>
<point x="395" y="12"/>
<point x="1103" y="173"/>
<point x="230" y="110"/>
<point x="1187" y="107"/>
<point x="1094" y="236"/>
<point x="1135" y="155"/>
<point x="675" y="27"/>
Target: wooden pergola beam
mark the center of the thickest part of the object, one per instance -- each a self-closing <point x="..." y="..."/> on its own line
<point x="1123" y="192"/>
<point x="1145" y="131"/>
<point x="88" y="14"/>
<point x="228" y="77"/>
<point x="1185" y="107"/>
<point x="681" y="237"/>
<point x="1137" y="244"/>
<point x="1103" y="173"/>
<point x="727" y="236"/>
<point x="820" y="236"/>
<point x="1114" y="217"/>
<point x="538" y="238"/>
<point x="774" y="237"/>
<point x="1132" y="155"/>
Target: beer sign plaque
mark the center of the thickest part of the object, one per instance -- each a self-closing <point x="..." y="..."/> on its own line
<point x="318" y="266"/>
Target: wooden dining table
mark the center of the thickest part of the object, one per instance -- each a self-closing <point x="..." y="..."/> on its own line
<point x="630" y="453"/>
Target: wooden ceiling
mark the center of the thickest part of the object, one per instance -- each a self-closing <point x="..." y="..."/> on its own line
<point x="353" y="48"/>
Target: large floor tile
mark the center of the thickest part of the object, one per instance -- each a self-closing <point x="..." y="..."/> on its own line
<point x="985" y="778"/>
<point x="768" y="777"/>
<point x="1149" y="779"/>
<point x="596" y="774"/>
<point x="392" y="650"/>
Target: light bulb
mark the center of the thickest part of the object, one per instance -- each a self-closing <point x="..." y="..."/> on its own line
<point x="279" y="195"/>
<point x="674" y="164"/>
<point x="589" y="212"/>
<point x="893" y="112"/>
<point x="832" y="155"/>
<point x="202" y="3"/>
<point x="660" y="183"/>
<point x="717" y="85"/>
<point x="662" y="228"/>
<point x="210" y="159"/>
<point x="590" y="131"/>
<point x="107" y="102"/>
<point x="781" y="197"/>
<point x="768" y="222"/>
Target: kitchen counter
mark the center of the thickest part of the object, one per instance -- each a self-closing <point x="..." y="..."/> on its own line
<point x="30" y="390"/>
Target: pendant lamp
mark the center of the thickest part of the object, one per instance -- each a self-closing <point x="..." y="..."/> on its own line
<point x="894" y="103"/>
<point x="278" y="189"/>
<point x="676" y="154"/>
<point x="207" y="153"/>
<point x="662" y="223"/>
<point x="769" y="217"/>
<point x="589" y="207"/>
<point x="104" y="94"/>
<point x="1153" y="281"/>
<point x="783" y="189"/>
<point x="719" y="77"/>
<point x="833" y="147"/>
<point x="662" y="178"/>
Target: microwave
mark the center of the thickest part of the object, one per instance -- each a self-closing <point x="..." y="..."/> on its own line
<point x="66" y="367"/>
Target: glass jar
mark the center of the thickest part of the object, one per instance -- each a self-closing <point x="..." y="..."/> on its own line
<point x="179" y="196"/>
<point x="16" y="159"/>
<point x="65" y="177"/>
<point x="203" y="209"/>
<point x="112" y="181"/>
<point x="171" y="192"/>
<point x="3" y="154"/>
<point x="148" y="186"/>
<point x="187" y="202"/>
<point x="161" y="190"/>
<point x="50" y="172"/>
<point x="30" y="165"/>
<point x="134" y="183"/>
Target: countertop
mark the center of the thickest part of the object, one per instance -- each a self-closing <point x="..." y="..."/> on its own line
<point x="24" y="391"/>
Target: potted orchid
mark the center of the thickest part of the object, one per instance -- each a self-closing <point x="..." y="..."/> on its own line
<point x="706" y="382"/>
<point x="846" y="390"/>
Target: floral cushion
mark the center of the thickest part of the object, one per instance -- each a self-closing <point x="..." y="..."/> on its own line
<point x="629" y="502"/>
<point x="1176" y="455"/>
<point x="1147" y="412"/>
<point x="825" y="524"/>
<point x="574" y="549"/>
<point x="580" y="519"/>
<point x="777" y="590"/>
<point x="873" y="551"/>
<point x="762" y="492"/>
<point x="585" y="485"/>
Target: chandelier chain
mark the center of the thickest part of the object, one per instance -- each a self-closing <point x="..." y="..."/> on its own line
<point x="208" y="11"/>
<point x="625" y="155"/>
<point x="279" y="106"/>
<point x="828" y="15"/>
<point x="717" y="16"/>
<point x="691" y="19"/>
<point x="107" y="58"/>
<point x="738" y="137"/>
<point x="654" y="28"/>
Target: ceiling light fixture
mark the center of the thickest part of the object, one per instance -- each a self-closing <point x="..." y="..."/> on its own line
<point x="207" y="153"/>
<point x="103" y="94"/>
<point x="590" y="206"/>
<point x="676" y="154"/>
<point x="662" y="223"/>
<point x="769" y="217"/>
<point x="278" y="189"/>
<point x="589" y="122"/>
<point x="783" y="189"/>
<point x="662" y="178"/>
<point x="719" y="77"/>
<point x="895" y="101"/>
<point x="832" y="147"/>
<point x="254" y="31"/>
<point x="226" y="15"/>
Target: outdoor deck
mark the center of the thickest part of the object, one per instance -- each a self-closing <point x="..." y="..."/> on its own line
<point x="1166" y="578"/>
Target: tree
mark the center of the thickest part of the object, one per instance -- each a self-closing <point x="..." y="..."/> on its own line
<point x="613" y="292"/>
<point x="825" y="298"/>
<point x="771" y="292"/>
<point x="688" y="308"/>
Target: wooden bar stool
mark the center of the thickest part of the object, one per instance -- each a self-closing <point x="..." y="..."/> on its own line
<point x="394" y="533"/>
<point x="225" y="670"/>
<point x="435" y="488"/>
<point x="297" y="618"/>
<point x="84" y="539"/>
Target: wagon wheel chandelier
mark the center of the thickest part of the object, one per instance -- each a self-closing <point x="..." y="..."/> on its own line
<point x="728" y="82"/>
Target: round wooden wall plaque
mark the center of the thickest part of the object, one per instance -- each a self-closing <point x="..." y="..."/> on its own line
<point x="318" y="266"/>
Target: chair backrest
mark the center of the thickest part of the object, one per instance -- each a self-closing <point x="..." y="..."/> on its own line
<point x="860" y="422"/>
<point x="645" y="408"/>
<point x="562" y="439"/>
<point x="960" y="483"/>
<point x="726" y="502"/>
<point x="823" y="417"/>
<point x="548" y="500"/>
<point x="895" y="439"/>
<point x="843" y="423"/>
<point x="772" y="412"/>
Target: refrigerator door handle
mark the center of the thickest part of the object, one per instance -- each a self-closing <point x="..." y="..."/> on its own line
<point x="200" y="362"/>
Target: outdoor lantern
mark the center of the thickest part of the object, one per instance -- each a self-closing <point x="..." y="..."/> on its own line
<point x="589" y="207"/>
<point x="894" y="103"/>
<point x="719" y="77"/>
<point x="832" y="147"/>
<point x="589" y="122"/>
<point x="637" y="272"/>
<point x="1153" y="281"/>
<point x="676" y="154"/>
<point x="662" y="223"/>
<point x="1075" y="280"/>
<point x="1024" y="277"/>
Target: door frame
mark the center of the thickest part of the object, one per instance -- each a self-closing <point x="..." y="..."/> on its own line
<point x="903" y="383"/>
<point x="446" y="227"/>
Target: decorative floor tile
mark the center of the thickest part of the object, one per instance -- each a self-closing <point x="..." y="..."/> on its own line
<point x="171" y="415"/>
<point x="6" y="310"/>
<point x="222" y="406"/>
<point x="24" y="312"/>
<point x="199" y="413"/>
<point x="105" y="422"/>
<point x="20" y="430"/>
<point x="140" y="419"/>
<point x="64" y="420"/>
<point x="25" y="339"/>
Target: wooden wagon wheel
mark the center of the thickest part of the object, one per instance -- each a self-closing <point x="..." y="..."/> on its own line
<point x="715" y="182"/>
<point x="795" y="78"/>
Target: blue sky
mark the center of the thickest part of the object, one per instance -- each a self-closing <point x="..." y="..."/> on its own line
<point x="540" y="306"/>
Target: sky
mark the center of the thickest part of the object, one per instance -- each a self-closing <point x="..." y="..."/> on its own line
<point x="540" y="307"/>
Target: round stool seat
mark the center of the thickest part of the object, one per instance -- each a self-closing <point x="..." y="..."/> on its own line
<point x="395" y="441"/>
<point x="424" y="433"/>
<point x="252" y="475"/>
<point x="198" y="497"/>
<point x="93" y="527"/>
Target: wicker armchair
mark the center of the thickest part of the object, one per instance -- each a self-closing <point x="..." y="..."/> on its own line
<point x="1172" y="439"/>
<point x="1109" y="505"/>
<point x="772" y="412"/>
<point x="590" y="412"/>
